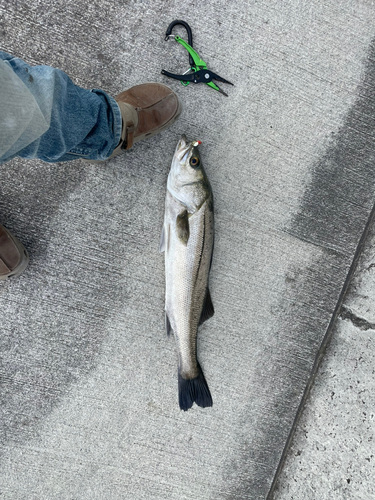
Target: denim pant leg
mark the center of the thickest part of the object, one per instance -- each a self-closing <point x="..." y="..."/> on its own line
<point x="83" y="123"/>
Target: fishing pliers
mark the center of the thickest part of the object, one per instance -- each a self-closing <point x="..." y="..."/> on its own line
<point x="200" y="73"/>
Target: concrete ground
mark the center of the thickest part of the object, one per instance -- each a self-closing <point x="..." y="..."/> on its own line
<point x="89" y="387"/>
<point x="332" y="453"/>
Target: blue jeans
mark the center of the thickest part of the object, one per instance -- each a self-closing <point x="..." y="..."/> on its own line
<point x="83" y="123"/>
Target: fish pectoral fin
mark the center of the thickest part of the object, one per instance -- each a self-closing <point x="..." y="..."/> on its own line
<point x="208" y="308"/>
<point x="162" y="240"/>
<point x="182" y="227"/>
<point x="168" y="325"/>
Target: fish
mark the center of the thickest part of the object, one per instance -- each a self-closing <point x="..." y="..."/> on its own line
<point x="188" y="239"/>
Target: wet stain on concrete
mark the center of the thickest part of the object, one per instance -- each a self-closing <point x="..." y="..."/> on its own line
<point x="333" y="215"/>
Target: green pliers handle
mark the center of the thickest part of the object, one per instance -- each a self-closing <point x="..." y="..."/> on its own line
<point x="198" y="62"/>
<point x="198" y="72"/>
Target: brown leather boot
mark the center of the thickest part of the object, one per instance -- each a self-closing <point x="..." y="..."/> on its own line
<point x="13" y="256"/>
<point x="146" y="110"/>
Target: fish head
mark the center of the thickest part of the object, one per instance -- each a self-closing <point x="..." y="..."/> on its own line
<point x="187" y="180"/>
<point x="186" y="163"/>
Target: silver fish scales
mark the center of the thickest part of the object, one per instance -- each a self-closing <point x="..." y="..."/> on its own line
<point x="187" y="239"/>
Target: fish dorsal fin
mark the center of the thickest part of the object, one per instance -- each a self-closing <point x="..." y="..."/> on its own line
<point x="208" y="308"/>
<point x="162" y="240"/>
<point x="182" y="227"/>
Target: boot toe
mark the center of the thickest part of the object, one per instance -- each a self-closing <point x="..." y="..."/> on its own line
<point x="13" y="255"/>
<point x="157" y="107"/>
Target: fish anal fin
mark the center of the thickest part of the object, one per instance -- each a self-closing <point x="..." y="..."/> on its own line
<point x="182" y="227"/>
<point x="208" y="308"/>
<point x="168" y="325"/>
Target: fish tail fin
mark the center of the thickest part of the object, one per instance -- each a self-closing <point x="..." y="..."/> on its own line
<point x="193" y="390"/>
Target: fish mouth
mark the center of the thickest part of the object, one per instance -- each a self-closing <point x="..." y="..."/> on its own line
<point x="184" y="148"/>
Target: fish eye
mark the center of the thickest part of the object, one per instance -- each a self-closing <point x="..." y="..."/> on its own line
<point x="194" y="161"/>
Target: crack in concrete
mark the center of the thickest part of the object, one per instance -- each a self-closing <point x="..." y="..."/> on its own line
<point x="357" y="321"/>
